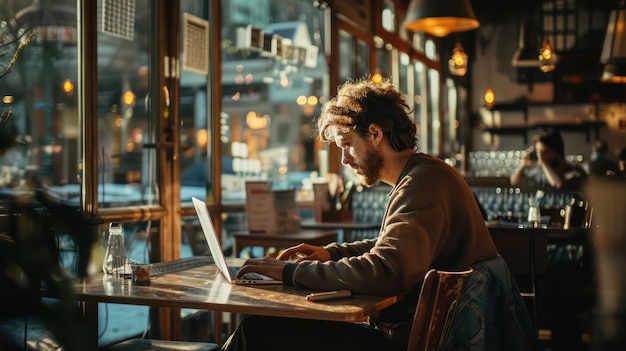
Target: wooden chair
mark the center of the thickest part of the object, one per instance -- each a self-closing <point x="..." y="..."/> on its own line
<point x="436" y="308"/>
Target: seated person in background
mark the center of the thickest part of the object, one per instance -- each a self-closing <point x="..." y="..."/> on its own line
<point x="431" y="221"/>
<point x="600" y="164"/>
<point x="544" y="164"/>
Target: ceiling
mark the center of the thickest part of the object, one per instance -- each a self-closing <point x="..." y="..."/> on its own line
<point x="578" y="66"/>
<point x="497" y="11"/>
<point x="589" y="25"/>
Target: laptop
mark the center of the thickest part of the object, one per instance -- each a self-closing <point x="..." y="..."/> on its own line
<point x="230" y="273"/>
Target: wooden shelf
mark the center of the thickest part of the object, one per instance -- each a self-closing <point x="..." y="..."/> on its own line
<point x="522" y="105"/>
<point x="487" y="181"/>
<point x="523" y="128"/>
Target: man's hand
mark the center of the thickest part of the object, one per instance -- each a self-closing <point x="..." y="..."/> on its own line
<point x="268" y="266"/>
<point x="273" y="265"/>
<point x="304" y="252"/>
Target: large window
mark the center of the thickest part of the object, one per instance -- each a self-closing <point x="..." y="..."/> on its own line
<point x="41" y="136"/>
<point x="43" y="85"/>
<point x="273" y="69"/>
<point x="126" y="125"/>
<point x="435" y="128"/>
<point x="196" y="119"/>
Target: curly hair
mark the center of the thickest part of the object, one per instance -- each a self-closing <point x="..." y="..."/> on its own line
<point x="363" y="102"/>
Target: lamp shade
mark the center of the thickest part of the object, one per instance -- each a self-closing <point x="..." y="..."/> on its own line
<point x="440" y="17"/>
<point x="613" y="55"/>
<point x="527" y="45"/>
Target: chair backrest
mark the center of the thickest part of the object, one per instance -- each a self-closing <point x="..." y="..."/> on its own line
<point x="436" y="308"/>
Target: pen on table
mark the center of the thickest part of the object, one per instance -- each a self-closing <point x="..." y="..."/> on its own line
<point x="329" y="295"/>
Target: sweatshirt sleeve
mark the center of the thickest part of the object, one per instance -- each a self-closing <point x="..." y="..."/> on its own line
<point x="338" y="251"/>
<point x="391" y="264"/>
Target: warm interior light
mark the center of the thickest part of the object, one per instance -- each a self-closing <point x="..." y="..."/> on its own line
<point x="202" y="138"/>
<point x="546" y="52"/>
<point x="68" y="86"/>
<point x="547" y="57"/>
<point x="440" y="18"/>
<point x="458" y="62"/>
<point x="128" y="98"/>
<point x="377" y="78"/>
<point x="255" y="121"/>
<point x="490" y="97"/>
<point x="301" y="100"/>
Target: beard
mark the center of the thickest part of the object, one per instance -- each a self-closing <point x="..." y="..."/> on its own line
<point x="371" y="167"/>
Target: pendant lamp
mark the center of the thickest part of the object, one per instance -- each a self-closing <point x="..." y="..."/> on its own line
<point x="547" y="57"/>
<point x="489" y="98"/>
<point x="440" y="17"/>
<point x="613" y="55"/>
<point x="527" y="45"/>
<point x="458" y="62"/>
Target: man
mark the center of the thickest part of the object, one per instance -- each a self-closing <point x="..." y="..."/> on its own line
<point x="544" y="164"/>
<point x="432" y="221"/>
<point x="600" y="164"/>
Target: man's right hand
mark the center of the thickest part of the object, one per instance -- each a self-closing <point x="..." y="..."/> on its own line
<point x="304" y="252"/>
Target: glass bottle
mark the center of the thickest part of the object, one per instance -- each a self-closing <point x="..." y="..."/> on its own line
<point x="534" y="216"/>
<point x="115" y="256"/>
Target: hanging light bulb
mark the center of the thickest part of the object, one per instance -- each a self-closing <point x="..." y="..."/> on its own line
<point x="458" y="62"/>
<point x="547" y="57"/>
<point x="490" y="97"/>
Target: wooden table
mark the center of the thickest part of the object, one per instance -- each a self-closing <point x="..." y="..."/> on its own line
<point x="282" y="240"/>
<point x="351" y="231"/>
<point x="204" y="288"/>
<point x="525" y="249"/>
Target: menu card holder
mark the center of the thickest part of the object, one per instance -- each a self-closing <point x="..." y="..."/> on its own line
<point x="270" y="210"/>
<point x="330" y="208"/>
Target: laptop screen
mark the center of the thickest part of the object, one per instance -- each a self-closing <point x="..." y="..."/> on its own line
<point x="211" y="237"/>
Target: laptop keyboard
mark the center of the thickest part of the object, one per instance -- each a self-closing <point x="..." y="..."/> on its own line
<point x="180" y="264"/>
<point x="249" y="275"/>
<point x="255" y="276"/>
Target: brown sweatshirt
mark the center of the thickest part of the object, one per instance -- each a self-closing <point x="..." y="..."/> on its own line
<point x="432" y="220"/>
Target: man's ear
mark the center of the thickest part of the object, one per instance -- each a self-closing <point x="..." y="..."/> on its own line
<point x="376" y="132"/>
